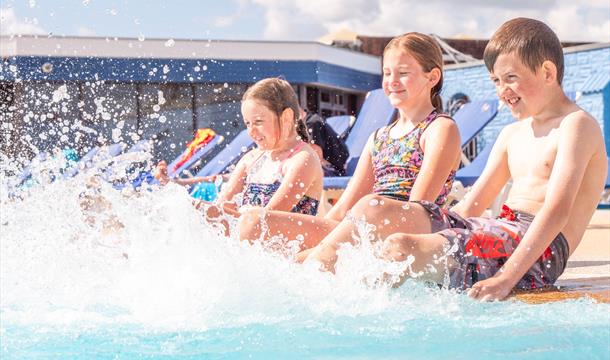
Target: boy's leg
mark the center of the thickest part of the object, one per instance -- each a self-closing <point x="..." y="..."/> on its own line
<point x="282" y="223"/>
<point x="387" y="215"/>
<point x="477" y="252"/>
<point x="428" y="250"/>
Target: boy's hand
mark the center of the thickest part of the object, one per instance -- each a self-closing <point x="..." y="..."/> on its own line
<point x="494" y="288"/>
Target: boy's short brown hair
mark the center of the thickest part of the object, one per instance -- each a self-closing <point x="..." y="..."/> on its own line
<point x="531" y="40"/>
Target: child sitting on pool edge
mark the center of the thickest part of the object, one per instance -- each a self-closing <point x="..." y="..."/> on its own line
<point x="283" y="172"/>
<point x="556" y="157"/>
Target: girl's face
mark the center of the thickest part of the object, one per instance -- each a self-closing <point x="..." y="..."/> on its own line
<point x="261" y="123"/>
<point x="404" y="80"/>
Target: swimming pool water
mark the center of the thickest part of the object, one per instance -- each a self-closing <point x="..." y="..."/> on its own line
<point x="169" y="286"/>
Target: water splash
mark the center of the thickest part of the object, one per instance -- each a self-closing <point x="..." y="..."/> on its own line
<point x="147" y="263"/>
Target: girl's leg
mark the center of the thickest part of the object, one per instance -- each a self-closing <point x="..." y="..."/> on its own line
<point x="287" y="224"/>
<point x="389" y="216"/>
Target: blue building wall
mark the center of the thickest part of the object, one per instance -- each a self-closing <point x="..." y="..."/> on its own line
<point x="586" y="72"/>
<point x="29" y="68"/>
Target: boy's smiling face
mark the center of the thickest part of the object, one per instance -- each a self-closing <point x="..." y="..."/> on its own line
<point x="521" y="89"/>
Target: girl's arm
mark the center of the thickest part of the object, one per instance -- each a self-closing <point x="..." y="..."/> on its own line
<point x="442" y="149"/>
<point x="360" y="184"/>
<point x="302" y="170"/>
<point x="160" y="173"/>
<point x="236" y="181"/>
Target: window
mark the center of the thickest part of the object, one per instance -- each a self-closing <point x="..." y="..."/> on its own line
<point x="110" y="111"/>
<point x="166" y="115"/>
<point x="49" y="115"/>
<point x="218" y="106"/>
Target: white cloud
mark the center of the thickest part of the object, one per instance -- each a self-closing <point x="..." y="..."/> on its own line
<point x="224" y="21"/>
<point x="581" y="20"/>
<point x="229" y="20"/>
<point x="85" y="31"/>
<point x="10" y="24"/>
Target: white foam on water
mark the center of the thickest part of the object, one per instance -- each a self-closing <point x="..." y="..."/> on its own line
<point x="168" y="268"/>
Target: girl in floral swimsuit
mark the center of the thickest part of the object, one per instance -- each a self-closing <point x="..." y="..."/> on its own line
<point x="414" y="158"/>
<point x="283" y="172"/>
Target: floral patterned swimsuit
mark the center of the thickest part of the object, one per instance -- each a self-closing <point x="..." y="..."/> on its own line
<point x="397" y="162"/>
<point x="259" y="194"/>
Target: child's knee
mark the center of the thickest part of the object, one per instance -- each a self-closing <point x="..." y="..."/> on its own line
<point x="368" y="205"/>
<point x="250" y="224"/>
<point x="398" y="246"/>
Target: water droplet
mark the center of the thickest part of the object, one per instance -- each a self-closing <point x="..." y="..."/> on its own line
<point x="141" y="37"/>
<point x="406" y="206"/>
<point x="165" y="69"/>
<point x="299" y="223"/>
<point x="156" y="107"/>
<point x="373" y="202"/>
<point x="162" y="119"/>
<point x="301" y="185"/>
<point x="197" y="69"/>
<point x="32" y="3"/>
<point x="170" y="43"/>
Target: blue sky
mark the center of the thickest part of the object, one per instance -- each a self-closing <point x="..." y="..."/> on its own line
<point x="581" y="20"/>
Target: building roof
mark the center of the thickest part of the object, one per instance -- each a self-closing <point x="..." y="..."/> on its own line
<point x="474" y="47"/>
<point x="163" y="60"/>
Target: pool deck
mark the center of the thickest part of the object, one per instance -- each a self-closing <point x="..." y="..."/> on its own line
<point x="588" y="269"/>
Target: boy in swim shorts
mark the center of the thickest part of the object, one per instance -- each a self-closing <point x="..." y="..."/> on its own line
<point x="556" y="158"/>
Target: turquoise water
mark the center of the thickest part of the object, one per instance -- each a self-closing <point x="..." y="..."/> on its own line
<point x="167" y="285"/>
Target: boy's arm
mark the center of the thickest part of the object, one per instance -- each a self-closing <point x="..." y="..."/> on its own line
<point x="492" y="179"/>
<point x="576" y="145"/>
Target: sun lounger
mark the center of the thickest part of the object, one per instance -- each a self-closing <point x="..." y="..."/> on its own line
<point x="375" y="113"/>
<point x="471" y="118"/>
<point x="219" y="164"/>
<point x="228" y="155"/>
<point x="93" y="157"/>
<point x="196" y="157"/>
<point x="471" y="172"/>
<point x="340" y="124"/>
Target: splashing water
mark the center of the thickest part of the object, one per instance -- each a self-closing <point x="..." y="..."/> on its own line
<point x="143" y="274"/>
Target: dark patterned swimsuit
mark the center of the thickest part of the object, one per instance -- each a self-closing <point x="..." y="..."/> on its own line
<point x="259" y="194"/>
<point x="397" y="162"/>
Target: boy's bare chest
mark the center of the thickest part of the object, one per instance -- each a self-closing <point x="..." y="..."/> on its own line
<point x="532" y="156"/>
